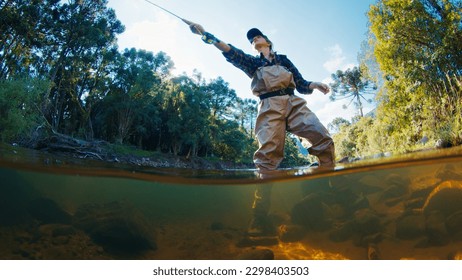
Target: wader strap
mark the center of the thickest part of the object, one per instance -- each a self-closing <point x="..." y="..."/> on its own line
<point x="285" y="91"/>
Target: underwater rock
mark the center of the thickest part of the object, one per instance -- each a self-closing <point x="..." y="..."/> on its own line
<point x="257" y="254"/>
<point x="436" y="229"/>
<point x="367" y="222"/>
<point x="250" y="241"/>
<point x="449" y="172"/>
<point x="414" y="203"/>
<point x="373" y="252"/>
<point x="394" y="191"/>
<point x="309" y="212"/>
<point x="363" y="224"/>
<point x="48" y="211"/>
<point x="291" y="233"/>
<point x="370" y="239"/>
<point x="446" y="198"/>
<point x="115" y="226"/>
<point x="410" y="226"/>
<point x="342" y="232"/>
<point x="398" y="187"/>
<point x="56" y="230"/>
<point x="454" y="222"/>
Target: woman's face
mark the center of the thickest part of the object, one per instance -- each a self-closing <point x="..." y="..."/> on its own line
<point x="259" y="42"/>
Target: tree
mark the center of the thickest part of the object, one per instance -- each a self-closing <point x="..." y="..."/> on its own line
<point x="221" y="98"/>
<point x="19" y="113"/>
<point x="418" y="49"/>
<point x="337" y="124"/>
<point x="245" y="113"/>
<point x="351" y="84"/>
<point x="129" y="100"/>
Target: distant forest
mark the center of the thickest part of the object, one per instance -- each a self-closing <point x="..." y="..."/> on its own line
<point x="61" y="71"/>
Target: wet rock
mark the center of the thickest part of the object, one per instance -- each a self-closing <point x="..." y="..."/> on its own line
<point x="370" y="239"/>
<point x="63" y="230"/>
<point x="414" y="203"/>
<point x="335" y="211"/>
<point x="367" y="222"/>
<point x="257" y="254"/>
<point x="446" y="198"/>
<point x="115" y="226"/>
<point x="454" y="223"/>
<point x="410" y="226"/>
<point x="373" y="252"/>
<point x="56" y="230"/>
<point x="48" y="211"/>
<point x="449" y="172"/>
<point x="310" y="213"/>
<point x="361" y="202"/>
<point x="250" y="241"/>
<point x="394" y="191"/>
<point x="291" y="233"/>
<point x="442" y="143"/>
<point x="398" y="187"/>
<point x="342" y="232"/>
<point x="436" y="229"/>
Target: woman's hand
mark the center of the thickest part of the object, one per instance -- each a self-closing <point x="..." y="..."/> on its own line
<point x="196" y="28"/>
<point x="320" y="86"/>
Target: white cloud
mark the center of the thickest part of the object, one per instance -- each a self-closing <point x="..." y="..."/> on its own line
<point x="325" y="109"/>
<point x="336" y="60"/>
<point x="163" y="33"/>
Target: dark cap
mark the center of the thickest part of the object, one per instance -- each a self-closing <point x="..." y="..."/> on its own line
<point x="252" y="33"/>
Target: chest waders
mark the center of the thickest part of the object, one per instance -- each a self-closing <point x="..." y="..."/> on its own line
<point x="278" y="114"/>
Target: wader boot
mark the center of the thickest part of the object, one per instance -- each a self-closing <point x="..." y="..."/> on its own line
<point x="261" y="224"/>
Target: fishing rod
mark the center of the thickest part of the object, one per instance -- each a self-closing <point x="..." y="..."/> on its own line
<point x="175" y="15"/>
<point x="206" y="37"/>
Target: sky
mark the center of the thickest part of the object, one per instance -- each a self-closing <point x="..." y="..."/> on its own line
<point x="319" y="37"/>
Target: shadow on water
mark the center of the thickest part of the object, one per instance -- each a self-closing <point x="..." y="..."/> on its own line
<point x="396" y="208"/>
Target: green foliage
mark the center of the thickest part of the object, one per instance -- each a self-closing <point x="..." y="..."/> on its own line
<point x="126" y="97"/>
<point x="20" y="103"/>
<point x="292" y="155"/>
<point x="337" y="124"/>
<point x="416" y="46"/>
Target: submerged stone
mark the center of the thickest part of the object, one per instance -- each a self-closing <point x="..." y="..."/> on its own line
<point x="257" y="254"/>
<point x="47" y="211"/>
<point x="410" y="226"/>
<point x="446" y="198"/>
<point x="116" y="227"/>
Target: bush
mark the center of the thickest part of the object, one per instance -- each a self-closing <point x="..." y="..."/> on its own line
<point x="20" y="102"/>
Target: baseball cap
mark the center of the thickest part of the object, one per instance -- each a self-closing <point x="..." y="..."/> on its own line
<point x="252" y="33"/>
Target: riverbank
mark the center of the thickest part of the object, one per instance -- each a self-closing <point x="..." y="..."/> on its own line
<point x="78" y="152"/>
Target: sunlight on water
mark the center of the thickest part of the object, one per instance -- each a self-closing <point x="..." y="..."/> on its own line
<point x="408" y="207"/>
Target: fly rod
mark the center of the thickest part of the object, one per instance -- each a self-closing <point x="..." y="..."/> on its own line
<point x="206" y="37"/>
<point x="165" y="10"/>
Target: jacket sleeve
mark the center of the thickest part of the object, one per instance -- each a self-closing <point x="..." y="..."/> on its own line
<point x="241" y="60"/>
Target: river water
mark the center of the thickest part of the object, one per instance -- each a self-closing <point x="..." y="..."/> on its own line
<point x="403" y="207"/>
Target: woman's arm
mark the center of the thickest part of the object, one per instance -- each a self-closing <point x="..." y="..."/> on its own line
<point x="198" y="29"/>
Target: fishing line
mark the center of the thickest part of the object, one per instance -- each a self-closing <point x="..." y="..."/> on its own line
<point x="177" y="16"/>
<point x="206" y="37"/>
